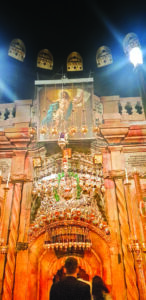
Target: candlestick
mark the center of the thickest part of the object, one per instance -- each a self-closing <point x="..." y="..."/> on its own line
<point x="0" y="177"/>
<point x="8" y="180"/>
<point x="126" y="176"/>
<point x="135" y="171"/>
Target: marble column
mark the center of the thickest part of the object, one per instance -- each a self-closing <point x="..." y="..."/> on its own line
<point x="128" y="260"/>
<point x="7" y="203"/>
<point x="20" y="288"/>
<point x="18" y="178"/>
<point x="140" y="202"/>
<point x="118" y="283"/>
<point x="118" y="175"/>
<point x="134" y="245"/>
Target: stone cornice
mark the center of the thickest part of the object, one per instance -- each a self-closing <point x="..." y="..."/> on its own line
<point x="113" y="134"/>
<point x="117" y="133"/>
<point x="134" y="148"/>
<point x="14" y="138"/>
<point x="115" y="148"/>
<point x="111" y="174"/>
<point x="116" y="174"/>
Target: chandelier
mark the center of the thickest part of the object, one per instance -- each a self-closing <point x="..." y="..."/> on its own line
<point x="67" y="238"/>
<point x="70" y="201"/>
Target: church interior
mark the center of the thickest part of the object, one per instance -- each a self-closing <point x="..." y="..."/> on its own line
<point x="72" y="180"/>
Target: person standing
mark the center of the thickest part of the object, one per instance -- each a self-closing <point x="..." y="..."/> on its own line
<point x="70" y="288"/>
<point x="99" y="289"/>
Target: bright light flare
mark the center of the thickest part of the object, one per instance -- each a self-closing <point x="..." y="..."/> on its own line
<point x="135" y="56"/>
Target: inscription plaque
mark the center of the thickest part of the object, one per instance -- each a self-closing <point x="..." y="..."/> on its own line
<point x="5" y="167"/>
<point x="136" y="161"/>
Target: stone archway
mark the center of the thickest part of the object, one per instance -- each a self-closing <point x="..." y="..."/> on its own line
<point x="48" y="267"/>
<point x="44" y="264"/>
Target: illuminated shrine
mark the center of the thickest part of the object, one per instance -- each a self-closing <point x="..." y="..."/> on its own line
<point x="72" y="183"/>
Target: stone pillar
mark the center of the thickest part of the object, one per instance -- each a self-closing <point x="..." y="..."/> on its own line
<point x="139" y="198"/>
<point x="5" y="231"/>
<point x="115" y="246"/>
<point x="130" y="276"/>
<point x="23" y="119"/>
<point x="128" y="261"/>
<point x="21" y="270"/>
<point x="137" y="186"/>
<point x="110" y="109"/>
<point x="12" y="240"/>
<point x="134" y="240"/>
<point x="18" y="177"/>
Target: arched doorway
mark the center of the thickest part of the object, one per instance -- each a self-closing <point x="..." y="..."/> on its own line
<point x="61" y="274"/>
<point x="44" y="264"/>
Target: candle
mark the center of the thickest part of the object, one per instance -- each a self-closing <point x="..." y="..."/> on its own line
<point x="0" y="176"/>
<point x="126" y="175"/>
<point x="8" y="179"/>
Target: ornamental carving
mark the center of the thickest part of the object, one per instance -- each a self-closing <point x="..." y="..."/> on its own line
<point x="68" y="199"/>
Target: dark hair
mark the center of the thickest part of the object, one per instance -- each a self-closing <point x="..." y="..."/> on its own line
<point x="65" y="93"/>
<point x="98" y="287"/>
<point x="71" y="265"/>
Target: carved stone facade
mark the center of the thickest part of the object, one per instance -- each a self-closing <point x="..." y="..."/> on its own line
<point x="30" y="256"/>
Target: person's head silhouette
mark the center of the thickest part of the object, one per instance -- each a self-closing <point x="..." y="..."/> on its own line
<point x="71" y="266"/>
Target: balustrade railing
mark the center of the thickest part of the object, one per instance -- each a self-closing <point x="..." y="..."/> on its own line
<point x="131" y="109"/>
<point x="17" y="112"/>
<point x="7" y="111"/>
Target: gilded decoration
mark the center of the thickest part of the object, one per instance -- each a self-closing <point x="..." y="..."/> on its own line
<point x="45" y="59"/>
<point x="21" y="246"/>
<point x="37" y="162"/>
<point x="17" y="49"/>
<point x="74" y="62"/>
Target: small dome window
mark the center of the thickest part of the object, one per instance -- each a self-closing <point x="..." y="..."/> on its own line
<point x="103" y="57"/>
<point x="130" y="41"/>
<point x="17" y="50"/>
<point x="74" y="62"/>
<point x="45" y="60"/>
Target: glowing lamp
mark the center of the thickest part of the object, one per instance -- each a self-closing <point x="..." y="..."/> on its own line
<point x="135" y="56"/>
<point x="84" y="129"/>
<point x="43" y="130"/>
<point x="54" y="131"/>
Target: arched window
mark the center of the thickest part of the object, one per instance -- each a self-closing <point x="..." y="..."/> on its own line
<point x="74" y="62"/>
<point x="45" y="60"/>
<point x="103" y="57"/>
<point x="17" y="49"/>
<point x="130" y="41"/>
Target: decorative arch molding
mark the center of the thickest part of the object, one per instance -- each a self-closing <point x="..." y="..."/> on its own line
<point x="91" y="227"/>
